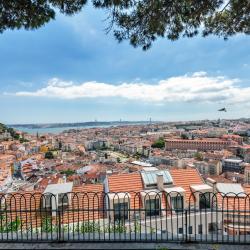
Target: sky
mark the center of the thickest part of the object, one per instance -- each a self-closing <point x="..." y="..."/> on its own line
<point x="70" y="70"/>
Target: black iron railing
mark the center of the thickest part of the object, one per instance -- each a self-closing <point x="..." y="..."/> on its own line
<point x="147" y="216"/>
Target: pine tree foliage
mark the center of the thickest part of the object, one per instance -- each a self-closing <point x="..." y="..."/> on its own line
<point x="139" y="21"/>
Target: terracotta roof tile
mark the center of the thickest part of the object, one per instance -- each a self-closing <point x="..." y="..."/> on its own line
<point x="131" y="183"/>
<point x="186" y="177"/>
<point x="125" y="182"/>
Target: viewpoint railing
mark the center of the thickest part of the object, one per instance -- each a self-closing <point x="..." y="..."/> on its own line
<point x="146" y="216"/>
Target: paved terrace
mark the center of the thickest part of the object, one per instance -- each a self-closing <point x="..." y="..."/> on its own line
<point x="129" y="245"/>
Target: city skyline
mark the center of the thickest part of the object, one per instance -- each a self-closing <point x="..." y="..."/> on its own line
<point x="69" y="70"/>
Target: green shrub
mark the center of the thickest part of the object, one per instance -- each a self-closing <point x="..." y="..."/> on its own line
<point x="47" y="225"/>
<point x="49" y="155"/>
<point x="118" y="227"/>
<point x="8" y="225"/>
<point x="87" y="227"/>
<point x="160" y="143"/>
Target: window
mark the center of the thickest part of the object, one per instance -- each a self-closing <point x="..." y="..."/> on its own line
<point x="205" y="201"/>
<point x="190" y="229"/>
<point x="63" y="199"/>
<point x="212" y="227"/>
<point x="180" y="230"/>
<point x="137" y="216"/>
<point x="212" y="170"/>
<point x="48" y="201"/>
<point x="121" y="211"/>
<point x="200" y="229"/>
<point x="152" y="207"/>
<point x="177" y="203"/>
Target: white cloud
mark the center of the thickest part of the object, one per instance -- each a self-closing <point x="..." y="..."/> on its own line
<point x="58" y="83"/>
<point x="187" y="88"/>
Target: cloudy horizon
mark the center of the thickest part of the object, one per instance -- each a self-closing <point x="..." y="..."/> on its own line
<point x="196" y="87"/>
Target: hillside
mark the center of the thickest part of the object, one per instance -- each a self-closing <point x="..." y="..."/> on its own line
<point x="4" y="128"/>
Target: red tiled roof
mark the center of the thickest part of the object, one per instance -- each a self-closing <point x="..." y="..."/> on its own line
<point x="125" y="182"/>
<point x="131" y="183"/>
<point x="186" y="177"/>
<point x="88" y="188"/>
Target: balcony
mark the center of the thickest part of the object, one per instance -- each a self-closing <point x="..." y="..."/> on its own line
<point x="89" y="217"/>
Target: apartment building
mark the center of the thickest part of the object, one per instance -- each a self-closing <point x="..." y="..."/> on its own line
<point x="7" y="159"/>
<point x="97" y="144"/>
<point x="245" y="152"/>
<point x="247" y="174"/>
<point x="237" y="138"/>
<point x="5" y="135"/>
<point x="209" y="167"/>
<point x="130" y="147"/>
<point x="160" y="193"/>
<point x="233" y="165"/>
<point x="198" y="144"/>
<point x="164" y="194"/>
<point x="1" y="149"/>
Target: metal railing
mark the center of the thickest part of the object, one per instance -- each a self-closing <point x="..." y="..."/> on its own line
<point x="147" y="216"/>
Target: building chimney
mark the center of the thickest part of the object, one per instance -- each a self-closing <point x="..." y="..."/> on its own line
<point x="160" y="181"/>
<point x="211" y="182"/>
<point x="64" y="179"/>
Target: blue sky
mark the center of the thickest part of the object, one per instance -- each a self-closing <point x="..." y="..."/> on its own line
<point x="71" y="71"/>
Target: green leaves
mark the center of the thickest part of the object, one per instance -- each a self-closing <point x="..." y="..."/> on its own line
<point x="142" y="22"/>
<point x="9" y="224"/>
<point x="68" y="172"/>
<point x="68" y="7"/>
<point x="32" y="14"/>
<point x="49" y="155"/>
<point x="198" y="156"/>
<point x="13" y="134"/>
<point x="160" y="143"/>
<point x="26" y="14"/>
<point x="139" y="21"/>
<point x="235" y="18"/>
